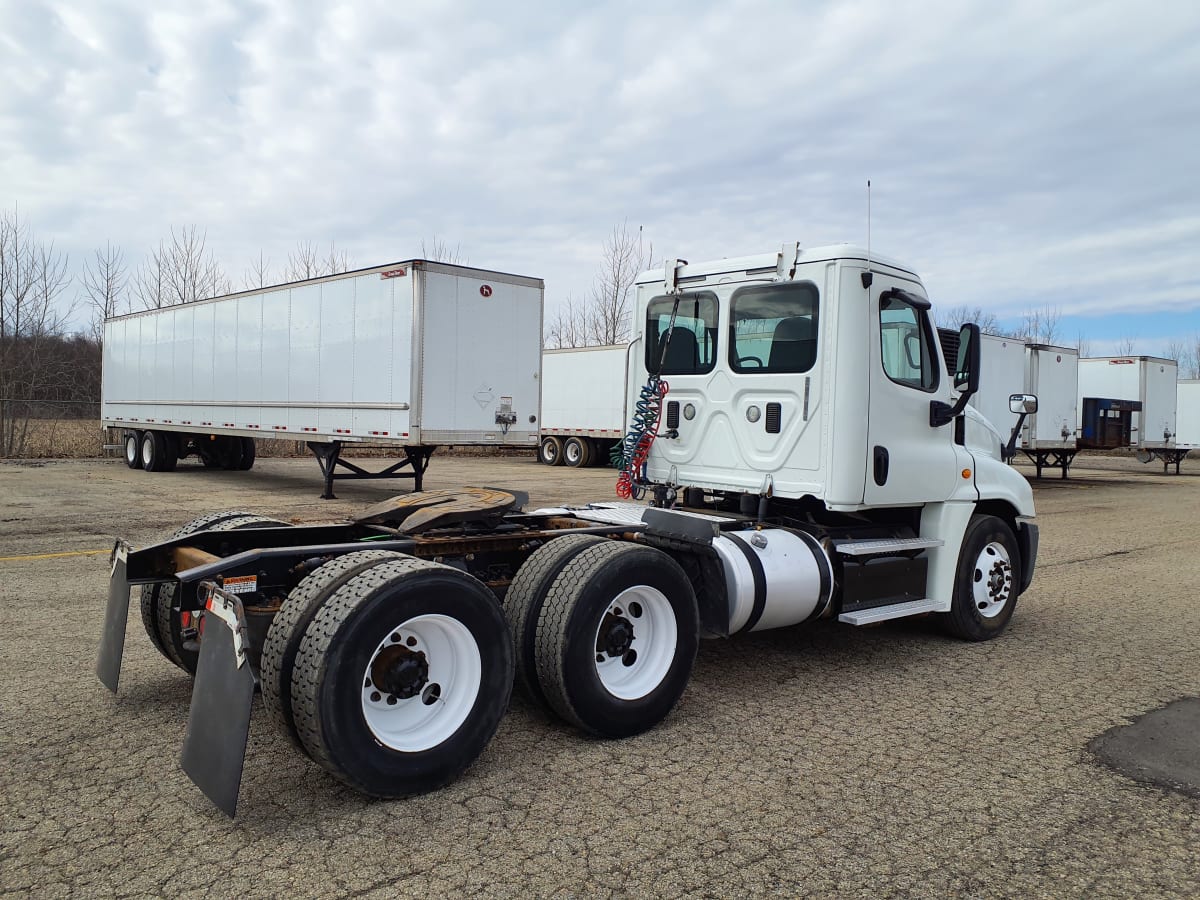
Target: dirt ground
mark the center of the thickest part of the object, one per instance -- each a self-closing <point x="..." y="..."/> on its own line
<point x="827" y="760"/>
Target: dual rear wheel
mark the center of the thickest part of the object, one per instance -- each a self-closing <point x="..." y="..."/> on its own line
<point x="391" y="672"/>
<point x="604" y="632"/>
<point x="175" y="633"/>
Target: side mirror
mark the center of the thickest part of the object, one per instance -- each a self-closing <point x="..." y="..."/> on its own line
<point x="1022" y="403"/>
<point x="966" y="366"/>
<point x="966" y="378"/>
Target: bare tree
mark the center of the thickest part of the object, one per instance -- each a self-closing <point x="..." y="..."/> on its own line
<point x="1083" y="344"/>
<point x="104" y="280"/>
<point x="258" y="273"/>
<point x="33" y="276"/>
<point x="568" y="327"/>
<point x="957" y="316"/>
<point x="1125" y="345"/>
<point x="624" y="258"/>
<point x="1193" y="357"/>
<point x="307" y="261"/>
<point x="437" y="250"/>
<point x="180" y="270"/>
<point x="1040" y="325"/>
<point x="1177" y="349"/>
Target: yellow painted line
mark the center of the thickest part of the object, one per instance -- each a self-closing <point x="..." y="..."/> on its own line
<point x="53" y="555"/>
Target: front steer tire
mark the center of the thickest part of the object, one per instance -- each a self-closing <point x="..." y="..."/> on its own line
<point x="602" y="585"/>
<point x="333" y="691"/>
<point x="288" y="627"/>
<point x="986" y="583"/>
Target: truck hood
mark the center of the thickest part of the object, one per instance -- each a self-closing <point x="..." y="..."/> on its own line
<point x="981" y="436"/>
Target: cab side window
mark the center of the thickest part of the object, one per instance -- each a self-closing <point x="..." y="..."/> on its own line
<point x="907" y="344"/>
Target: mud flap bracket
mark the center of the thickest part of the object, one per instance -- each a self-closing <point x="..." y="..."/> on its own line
<point x="214" y="748"/>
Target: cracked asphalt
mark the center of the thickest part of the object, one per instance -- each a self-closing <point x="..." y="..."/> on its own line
<point x="826" y="761"/>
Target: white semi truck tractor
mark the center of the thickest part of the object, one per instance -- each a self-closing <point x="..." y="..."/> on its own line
<point x="798" y="452"/>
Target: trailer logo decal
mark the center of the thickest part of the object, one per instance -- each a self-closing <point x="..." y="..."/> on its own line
<point x="240" y="584"/>
<point x="485" y="290"/>
<point x="1120" y="362"/>
<point x="394" y="273"/>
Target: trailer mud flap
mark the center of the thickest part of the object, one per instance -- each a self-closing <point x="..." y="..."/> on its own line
<point x="116" y="618"/>
<point x="214" y="748"/>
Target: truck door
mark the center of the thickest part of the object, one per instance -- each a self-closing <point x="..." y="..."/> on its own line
<point x="908" y="461"/>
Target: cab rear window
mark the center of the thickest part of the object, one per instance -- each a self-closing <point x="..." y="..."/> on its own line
<point x="690" y="348"/>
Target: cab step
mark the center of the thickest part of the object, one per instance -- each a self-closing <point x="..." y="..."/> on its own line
<point x="884" y="546"/>
<point x="883" y="613"/>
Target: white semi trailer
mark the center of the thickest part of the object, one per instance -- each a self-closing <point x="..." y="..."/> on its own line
<point x="583" y="404"/>
<point x="1187" y="417"/>
<point x="365" y="357"/>
<point x="819" y="467"/>
<point x="1130" y="401"/>
<point x="1049" y="435"/>
<point x="1002" y="374"/>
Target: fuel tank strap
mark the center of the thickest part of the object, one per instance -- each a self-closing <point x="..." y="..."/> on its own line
<point x="825" y="573"/>
<point x="760" y="581"/>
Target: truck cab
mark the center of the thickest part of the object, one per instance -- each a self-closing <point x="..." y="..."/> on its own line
<point x="813" y="379"/>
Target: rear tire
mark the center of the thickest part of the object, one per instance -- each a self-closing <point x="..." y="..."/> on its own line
<point x="523" y="602"/>
<point x="229" y="453"/>
<point x="551" y="450"/>
<point x="987" y="581"/>
<point x="133" y="450"/>
<point x="246" y="463"/>
<point x="178" y="632"/>
<point x="288" y="626"/>
<point x="577" y="452"/>
<point x="151" y="455"/>
<point x="617" y="638"/>
<point x="437" y="636"/>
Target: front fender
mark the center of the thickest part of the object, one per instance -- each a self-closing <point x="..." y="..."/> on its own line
<point x="995" y="480"/>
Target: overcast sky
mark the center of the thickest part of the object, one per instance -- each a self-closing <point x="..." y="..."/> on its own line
<point x="1022" y="154"/>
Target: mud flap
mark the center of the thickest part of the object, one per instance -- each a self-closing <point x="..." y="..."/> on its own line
<point x="116" y="617"/>
<point x="214" y="748"/>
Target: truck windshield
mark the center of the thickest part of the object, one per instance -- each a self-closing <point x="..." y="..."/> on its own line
<point x="692" y="348"/>
<point x="774" y="328"/>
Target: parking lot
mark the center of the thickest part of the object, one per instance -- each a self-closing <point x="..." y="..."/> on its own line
<point x="827" y="760"/>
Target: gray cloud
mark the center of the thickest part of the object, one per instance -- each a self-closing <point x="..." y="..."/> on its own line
<point x="1021" y="153"/>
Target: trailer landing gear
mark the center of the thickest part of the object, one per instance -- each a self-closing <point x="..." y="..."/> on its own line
<point x="1169" y="456"/>
<point x="329" y="457"/>
<point x="1059" y="459"/>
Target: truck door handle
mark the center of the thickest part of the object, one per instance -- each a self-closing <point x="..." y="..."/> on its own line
<point x="881" y="465"/>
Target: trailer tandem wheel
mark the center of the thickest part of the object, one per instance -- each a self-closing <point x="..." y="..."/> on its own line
<point x="577" y="452"/>
<point x="288" y="626"/>
<point x="616" y="639"/>
<point x="246" y="462"/>
<point x="551" y="450"/>
<point x="402" y="678"/>
<point x="178" y="632"/>
<point x="987" y="581"/>
<point x="133" y="450"/>
<point x="523" y="601"/>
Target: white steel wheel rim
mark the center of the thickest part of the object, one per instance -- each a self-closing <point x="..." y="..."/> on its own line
<point x="992" y="580"/>
<point x="147" y="450"/>
<point x="443" y="702"/>
<point x="573" y="451"/>
<point x="655" y="638"/>
<point x="131" y="449"/>
<point x="549" y="451"/>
